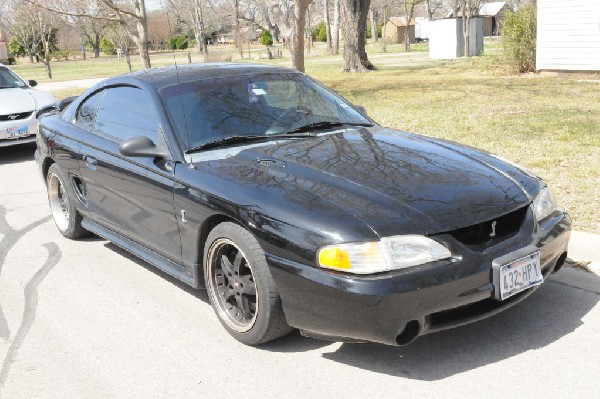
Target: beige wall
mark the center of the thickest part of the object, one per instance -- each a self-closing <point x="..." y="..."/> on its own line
<point x="395" y="34"/>
<point x="3" y="51"/>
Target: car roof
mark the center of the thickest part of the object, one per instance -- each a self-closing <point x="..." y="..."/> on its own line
<point x="167" y="76"/>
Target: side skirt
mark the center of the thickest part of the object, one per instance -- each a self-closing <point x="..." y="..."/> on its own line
<point x="166" y="265"/>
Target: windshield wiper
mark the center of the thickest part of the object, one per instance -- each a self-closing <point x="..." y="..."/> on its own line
<point x="226" y="141"/>
<point x="323" y="124"/>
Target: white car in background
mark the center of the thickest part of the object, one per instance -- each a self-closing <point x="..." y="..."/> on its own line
<point x="19" y="104"/>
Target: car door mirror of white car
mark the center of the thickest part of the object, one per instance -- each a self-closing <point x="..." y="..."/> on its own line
<point x="142" y="146"/>
<point x="32" y="83"/>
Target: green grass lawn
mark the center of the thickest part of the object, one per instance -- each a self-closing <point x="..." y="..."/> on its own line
<point x="550" y="124"/>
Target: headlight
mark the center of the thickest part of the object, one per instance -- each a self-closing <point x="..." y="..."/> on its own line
<point x="543" y="204"/>
<point x="391" y="253"/>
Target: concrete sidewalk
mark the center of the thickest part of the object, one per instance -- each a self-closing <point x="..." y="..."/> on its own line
<point x="585" y="247"/>
<point x="68" y="84"/>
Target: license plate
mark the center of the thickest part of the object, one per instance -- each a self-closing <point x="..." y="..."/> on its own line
<point x="15" y="133"/>
<point x="517" y="276"/>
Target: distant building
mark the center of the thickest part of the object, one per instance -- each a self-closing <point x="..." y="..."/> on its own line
<point x="446" y="40"/>
<point x="492" y="14"/>
<point x="395" y="28"/>
<point x="422" y="28"/>
<point x="3" y="50"/>
<point x="568" y="35"/>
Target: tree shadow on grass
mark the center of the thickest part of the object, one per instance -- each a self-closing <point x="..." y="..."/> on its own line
<point x="552" y="312"/>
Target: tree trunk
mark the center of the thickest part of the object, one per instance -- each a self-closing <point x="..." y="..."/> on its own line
<point x="354" y="14"/>
<point x="46" y="58"/>
<point x="199" y="22"/>
<point x="96" y="45"/>
<point x="142" y="44"/>
<point x="374" y="32"/>
<point x="297" y="42"/>
<point x="383" y="47"/>
<point x="335" y="37"/>
<point x="127" y="56"/>
<point x="327" y="25"/>
<point x="466" y="34"/>
<point x="30" y="54"/>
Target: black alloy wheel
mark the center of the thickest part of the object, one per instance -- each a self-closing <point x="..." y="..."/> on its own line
<point x="240" y="286"/>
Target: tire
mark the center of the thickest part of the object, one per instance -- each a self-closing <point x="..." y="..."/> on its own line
<point x="60" y="198"/>
<point x="240" y="287"/>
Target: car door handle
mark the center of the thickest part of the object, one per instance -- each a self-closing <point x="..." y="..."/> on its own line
<point x="91" y="163"/>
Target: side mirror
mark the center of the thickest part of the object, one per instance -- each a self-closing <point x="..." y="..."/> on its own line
<point x="64" y="103"/>
<point x="361" y="109"/>
<point x="32" y="83"/>
<point x="46" y="110"/>
<point x="141" y="146"/>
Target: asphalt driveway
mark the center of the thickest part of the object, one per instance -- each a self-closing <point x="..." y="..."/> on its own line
<point x="83" y="319"/>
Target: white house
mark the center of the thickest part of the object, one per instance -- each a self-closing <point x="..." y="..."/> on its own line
<point x="568" y="35"/>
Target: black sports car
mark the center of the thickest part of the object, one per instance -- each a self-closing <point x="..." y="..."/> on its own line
<point x="293" y="208"/>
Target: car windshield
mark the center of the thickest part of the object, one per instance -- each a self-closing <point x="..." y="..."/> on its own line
<point x="214" y="109"/>
<point x="8" y="79"/>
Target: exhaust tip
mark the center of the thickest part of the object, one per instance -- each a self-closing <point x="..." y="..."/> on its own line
<point x="409" y="334"/>
<point x="560" y="262"/>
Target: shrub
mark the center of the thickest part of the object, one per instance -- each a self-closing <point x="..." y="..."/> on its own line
<point x="519" y="38"/>
<point x="379" y="31"/>
<point x="107" y="46"/>
<point x="172" y="44"/>
<point x="266" y="39"/>
<point x="181" y="42"/>
<point x="178" y="43"/>
<point x="15" y="48"/>
<point x="319" y="34"/>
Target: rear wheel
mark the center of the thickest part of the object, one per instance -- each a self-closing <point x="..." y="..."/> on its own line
<point x="64" y="213"/>
<point x="240" y="287"/>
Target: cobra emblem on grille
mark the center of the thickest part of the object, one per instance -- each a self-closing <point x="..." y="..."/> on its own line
<point x="493" y="233"/>
<point x="13" y="117"/>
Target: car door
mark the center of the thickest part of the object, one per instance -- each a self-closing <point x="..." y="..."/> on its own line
<point x="130" y="196"/>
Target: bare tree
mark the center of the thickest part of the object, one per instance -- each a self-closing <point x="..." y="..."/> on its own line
<point x="291" y="18"/>
<point x="468" y="9"/>
<point x="374" y="28"/>
<point x="409" y="13"/>
<point x="354" y="15"/>
<point x="335" y="37"/>
<point x="432" y="6"/>
<point x="130" y="14"/>
<point x="327" y="21"/>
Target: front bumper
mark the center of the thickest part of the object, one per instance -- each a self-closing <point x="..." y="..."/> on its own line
<point x="21" y="131"/>
<point x="394" y="308"/>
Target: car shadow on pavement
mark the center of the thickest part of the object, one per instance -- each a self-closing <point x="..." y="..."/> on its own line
<point x="198" y="293"/>
<point x="549" y="314"/>
<point x="17" y="154"/>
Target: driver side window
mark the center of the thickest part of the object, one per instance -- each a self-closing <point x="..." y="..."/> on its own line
<point x="126" y="112"/>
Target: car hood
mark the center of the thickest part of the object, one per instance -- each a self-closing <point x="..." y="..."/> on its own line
<point x="17" y="100"/>
<point x="395" y="182"/>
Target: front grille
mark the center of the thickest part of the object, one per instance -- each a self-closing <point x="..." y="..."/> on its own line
<point x="504" y="227"/>
<point x="15" y="117"/>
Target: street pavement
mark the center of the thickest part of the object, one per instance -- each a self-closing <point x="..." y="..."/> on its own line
<point x="84" y="319"/>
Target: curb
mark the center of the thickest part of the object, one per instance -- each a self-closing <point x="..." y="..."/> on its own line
<point x="584" y="248"/>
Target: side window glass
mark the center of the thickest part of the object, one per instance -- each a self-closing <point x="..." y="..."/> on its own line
<point x="86" y="115"/>
<point x="127" y="112"/>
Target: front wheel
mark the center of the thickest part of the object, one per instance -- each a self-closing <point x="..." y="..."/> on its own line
<point x="64" y="213"/>
<point x="240" y="287"/>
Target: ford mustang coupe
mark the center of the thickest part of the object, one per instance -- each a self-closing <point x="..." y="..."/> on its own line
<point x="19" y="104"/>
<point x="293" y="208"/>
